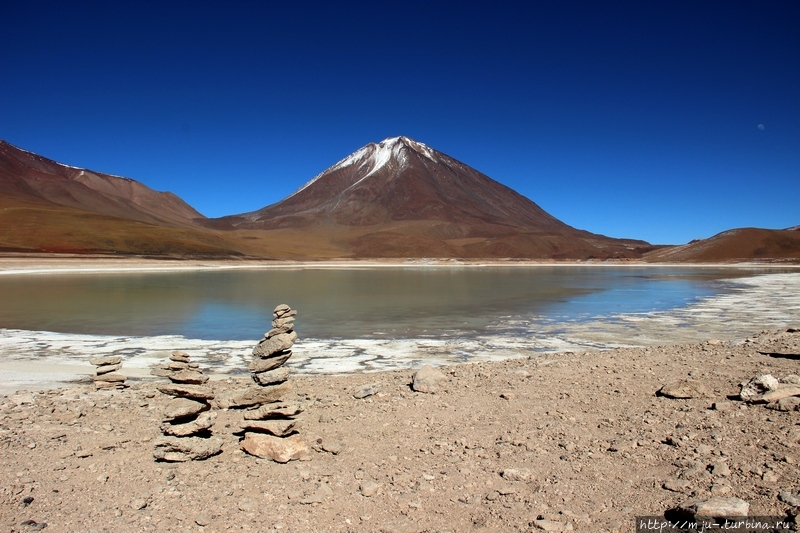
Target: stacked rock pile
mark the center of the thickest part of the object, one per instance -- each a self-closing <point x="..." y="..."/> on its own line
<point x="107" y="376"/>
<point x="270" y="425"/>
<point x="188" y="417"/>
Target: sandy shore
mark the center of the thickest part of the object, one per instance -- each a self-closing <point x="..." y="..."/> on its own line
<point x="567" y="441"/>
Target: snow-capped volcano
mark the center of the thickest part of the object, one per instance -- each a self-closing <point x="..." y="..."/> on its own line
<point x="402" y="179"/>
<point x="400" y="197"/>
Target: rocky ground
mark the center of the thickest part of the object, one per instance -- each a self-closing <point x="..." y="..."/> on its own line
<point x="568" y="441"/>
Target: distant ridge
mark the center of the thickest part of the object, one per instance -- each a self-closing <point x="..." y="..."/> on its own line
<point x="38" y="179"/>
<point x="46" y="206"/>
<point x="401" y="198"/>
<point x="736" y="245"/>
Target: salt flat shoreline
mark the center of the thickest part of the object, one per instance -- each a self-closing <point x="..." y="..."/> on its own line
<point x="14" y="264"/>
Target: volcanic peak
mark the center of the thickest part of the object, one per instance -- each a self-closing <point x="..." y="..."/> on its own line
<point x="374" y="156"/>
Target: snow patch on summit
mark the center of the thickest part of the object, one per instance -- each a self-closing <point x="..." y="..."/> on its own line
<point x="376" y="156"/>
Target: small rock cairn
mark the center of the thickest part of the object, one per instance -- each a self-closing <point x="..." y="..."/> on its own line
<point x="188" y="417"/>
<point x="270" y="425"/>
<point x="107" y="376"/>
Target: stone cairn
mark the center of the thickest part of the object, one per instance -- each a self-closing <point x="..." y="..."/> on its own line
<point x="107" y="376"/>
<point x="188" y="417"/>
<point x="269" y="424"/>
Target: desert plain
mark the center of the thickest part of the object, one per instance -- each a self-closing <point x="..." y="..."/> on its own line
<point x="571" y="441"/>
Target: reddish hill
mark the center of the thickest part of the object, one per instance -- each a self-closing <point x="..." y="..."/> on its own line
<point x="38" y="180"/>
<point x="401" y="198"/>
<point x="745" y="244"/>
<point x="47" y="206"/>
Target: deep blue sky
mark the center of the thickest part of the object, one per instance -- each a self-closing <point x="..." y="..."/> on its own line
<point x="664" y="121"/>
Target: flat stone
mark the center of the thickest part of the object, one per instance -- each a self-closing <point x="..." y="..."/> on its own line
<point x="258" y="365"/>
<point x="428" y="379"/>
<point x="792" y="403"/>
<point x="253" y="396"/>
<point x="111" y="376"/>
<point x="280" y="450"/>
<point x="516" y="474"/>
<point x="274" y="410"/>
<point x="271" y="377"/>
<point x="188" y="376"/>
<point x="683" y="389"/>
<point x="278" y="322"/>
<point x="280" y="310"/>
<point x="175" y="449"/>
<point x="201" y="423"/>
<point x="197" y="392"/>
<point x="105" y="369"/>
<point x="107" y="360"/>
<point x="183" y="407"/>
<point x="175" y="365"/>
<point x="676" y="485"/>
<point x="160" y="372"/>
<point x="276" y="344"/>
<point x="716" y="507"/>
<point x="279" y="428"/>
<point x="286" y="328"/>
<point x="364" y="391"/>
<point x="544" y="524"/>
<point x="179" y="356"/>
<point x="108" y="385"/>
<point x="783" y="391"/>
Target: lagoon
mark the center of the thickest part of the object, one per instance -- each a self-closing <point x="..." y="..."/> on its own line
<point x="362" y="319"/>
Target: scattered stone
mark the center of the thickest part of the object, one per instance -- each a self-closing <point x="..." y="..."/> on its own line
<point x="181" y="449"/>
<point x="792" y="403"/>
<point x="428" y="379"/>
<point x="369" y="488"/>
<point x="516" y="474"/>
<point x="545" y="524"/>
<point x="280" y="450"/>
<point x="676" y="485"/>
<point x="364" y="391"/>
<point x="791" y="499"/>
<point x="782" y="391"/>
<point x="683" y="389"/>
<point x="715" y="508"/>
<point x="758" y="386"/>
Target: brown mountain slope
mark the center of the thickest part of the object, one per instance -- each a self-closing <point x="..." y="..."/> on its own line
<point x="745" y="244"/>
<point x="39" y="180"/>
<point x="401" y="198"/>
<point x="46" y="206"/>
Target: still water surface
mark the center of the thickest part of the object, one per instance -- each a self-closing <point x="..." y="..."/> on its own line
<point x="402" y="302"/>
<point x="366" y="319"/>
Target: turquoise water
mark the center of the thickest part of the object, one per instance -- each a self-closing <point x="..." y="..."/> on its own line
<point x="369" y="319"/>
<point x="362" y="303"/>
